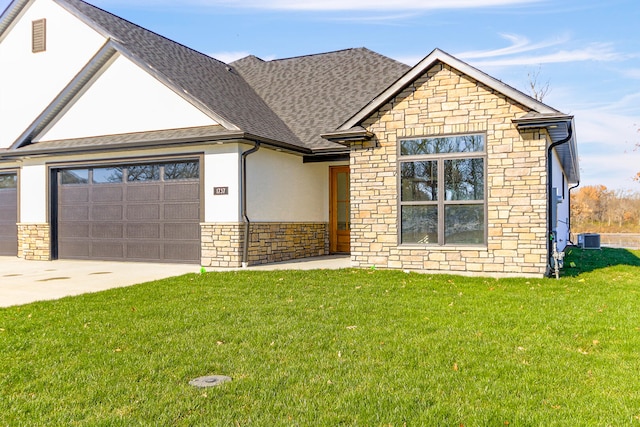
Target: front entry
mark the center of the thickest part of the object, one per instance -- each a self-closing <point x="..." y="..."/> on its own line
<point x="339" y="209"/>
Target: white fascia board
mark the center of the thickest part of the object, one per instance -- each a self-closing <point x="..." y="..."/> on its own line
<point x="11" y="15"/>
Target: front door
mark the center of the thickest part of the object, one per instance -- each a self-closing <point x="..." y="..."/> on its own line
<point x="339" y="222"/>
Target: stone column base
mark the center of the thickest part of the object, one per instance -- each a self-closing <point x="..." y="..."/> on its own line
<point x="34" y="242"/>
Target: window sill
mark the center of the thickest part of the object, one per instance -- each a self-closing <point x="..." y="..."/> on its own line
<point x="414" y="246"/>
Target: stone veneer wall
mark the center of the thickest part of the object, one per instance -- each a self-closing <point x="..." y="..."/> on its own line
<point x="222" y="244"/>
<point x="34" y="242"/>
<point x="443" y="102"/>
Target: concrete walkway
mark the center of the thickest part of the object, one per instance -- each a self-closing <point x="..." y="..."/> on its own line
<point x="22" y="282"/>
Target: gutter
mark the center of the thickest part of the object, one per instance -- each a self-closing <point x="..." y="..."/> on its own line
<point x="243" y="189"/>
<point x="550" y="233"/>
<point x="571" y="188"/>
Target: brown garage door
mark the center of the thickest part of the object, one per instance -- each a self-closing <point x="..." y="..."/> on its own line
<point x="142" y="212"/>
<point x="8" y="214"/>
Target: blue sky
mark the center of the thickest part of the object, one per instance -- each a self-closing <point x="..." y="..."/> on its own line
<point x="588" y="51"/>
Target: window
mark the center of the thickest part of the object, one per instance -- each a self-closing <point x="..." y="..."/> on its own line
<point x="74" y="176"/>
<point x="442" y="190"/>
<point x="8" y="181"/>
<point x="39" y="35"/>
<point x="107" y="175"/>
<point x="142" y="173"/>
<point x="182" y="170"/>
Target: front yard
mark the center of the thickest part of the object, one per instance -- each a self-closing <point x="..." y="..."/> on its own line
<point x="350" y="347"/>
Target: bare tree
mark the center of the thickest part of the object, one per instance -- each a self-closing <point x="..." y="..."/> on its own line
<point x="537" y="89"/>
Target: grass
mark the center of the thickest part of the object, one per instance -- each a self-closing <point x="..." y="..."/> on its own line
<point x="350" y="347"/>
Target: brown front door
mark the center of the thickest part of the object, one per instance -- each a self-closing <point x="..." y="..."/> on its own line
<point x="339" y="222"/>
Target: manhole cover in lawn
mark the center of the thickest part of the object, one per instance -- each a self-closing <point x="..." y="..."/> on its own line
<point x="209" y="381"/>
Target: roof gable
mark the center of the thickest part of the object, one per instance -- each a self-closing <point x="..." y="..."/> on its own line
<point x="207" y="83"/>
<point x="423" y="66"/>
<point x="123" y="99"/>
<point x="203" y="79"/>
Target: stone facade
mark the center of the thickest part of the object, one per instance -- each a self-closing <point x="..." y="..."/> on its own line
<point x="442" y="102"/>
<point x="222" y="244"/>
<point x="34" y="242"/>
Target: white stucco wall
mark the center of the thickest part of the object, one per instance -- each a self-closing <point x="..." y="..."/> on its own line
<point x="33" y="194"/>
<point x="124" y="99"/>
<point x="30" y="81"/>
<point x="222" y="169"/>
<point x="282" y="188"/>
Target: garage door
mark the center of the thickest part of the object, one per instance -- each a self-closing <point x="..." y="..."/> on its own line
<point x="8" y="214"/>
<point x="141" y="212"/>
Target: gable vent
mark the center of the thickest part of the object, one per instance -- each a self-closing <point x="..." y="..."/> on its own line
<point x="39" y="35"/>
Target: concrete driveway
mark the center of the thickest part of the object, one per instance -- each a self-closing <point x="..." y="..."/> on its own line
<point x="22" y="282"/>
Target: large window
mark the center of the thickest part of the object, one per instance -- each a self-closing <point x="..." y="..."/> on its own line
<point x="442" y="190"/>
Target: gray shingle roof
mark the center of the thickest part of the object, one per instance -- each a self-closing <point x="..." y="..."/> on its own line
<point x="317" y="93"/>
<point x="205" y="79"/>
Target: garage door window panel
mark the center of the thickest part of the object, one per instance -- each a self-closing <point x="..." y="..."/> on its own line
<point x="74" y="176"/>
<point x="143" y="173"/>
<point x="109" y="175"/>
<point x="181" y="170"/>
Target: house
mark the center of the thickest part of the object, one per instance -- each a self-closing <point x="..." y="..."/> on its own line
<point x="119" y="144"/>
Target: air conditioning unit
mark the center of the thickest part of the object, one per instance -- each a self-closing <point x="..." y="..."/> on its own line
<point x="589" y="241"/>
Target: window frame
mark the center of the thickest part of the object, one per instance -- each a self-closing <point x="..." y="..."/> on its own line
<point x="441" y="202"/>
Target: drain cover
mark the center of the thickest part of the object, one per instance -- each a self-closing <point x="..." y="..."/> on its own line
<point x="209" y="381"/>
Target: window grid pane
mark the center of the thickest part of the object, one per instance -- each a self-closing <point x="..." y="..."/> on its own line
<point x="443" y="145"/>
<point x="420" y="224"/>
<point x="464" y="179"/>
<point x="419" y="181"/>
<point x="181" y="170"/>
<point x="464" y="224"/>
<point x="107" y="175"/>
<point x="74" y="176"/>
<point x="142" y="173"/>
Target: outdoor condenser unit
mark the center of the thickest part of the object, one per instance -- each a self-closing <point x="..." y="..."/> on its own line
<point x="589" y="241"/>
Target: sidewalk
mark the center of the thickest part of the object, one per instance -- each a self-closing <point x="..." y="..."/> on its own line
<point x="22" y="282"/>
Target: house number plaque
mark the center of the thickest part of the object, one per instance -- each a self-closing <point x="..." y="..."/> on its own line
<point x="220" y="191"/>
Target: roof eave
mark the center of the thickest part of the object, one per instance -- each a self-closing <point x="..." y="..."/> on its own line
<point x="218" y="138"/>
<point x="347" y="136"/>
<point x="559" y="127"/>
<point x="9" y="16"/>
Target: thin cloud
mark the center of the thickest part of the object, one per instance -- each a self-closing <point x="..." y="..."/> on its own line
<point x="519" y="44"/>
<point x="591" y="52"/>
<point x="376" y="19"/>
<point x="632" y="73"/>
<point x="338" y="5"/>
<point x="378" y="4"/>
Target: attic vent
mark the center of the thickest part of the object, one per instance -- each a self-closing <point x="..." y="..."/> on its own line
<point x="39" y="35"/>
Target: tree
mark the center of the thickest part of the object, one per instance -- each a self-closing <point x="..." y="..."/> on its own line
<point x="536" y="89"/>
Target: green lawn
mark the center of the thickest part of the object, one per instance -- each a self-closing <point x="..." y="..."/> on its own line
<point x="350" y="347"/>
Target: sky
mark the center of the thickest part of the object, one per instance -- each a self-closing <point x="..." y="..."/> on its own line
<point x="586" y="52"/>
